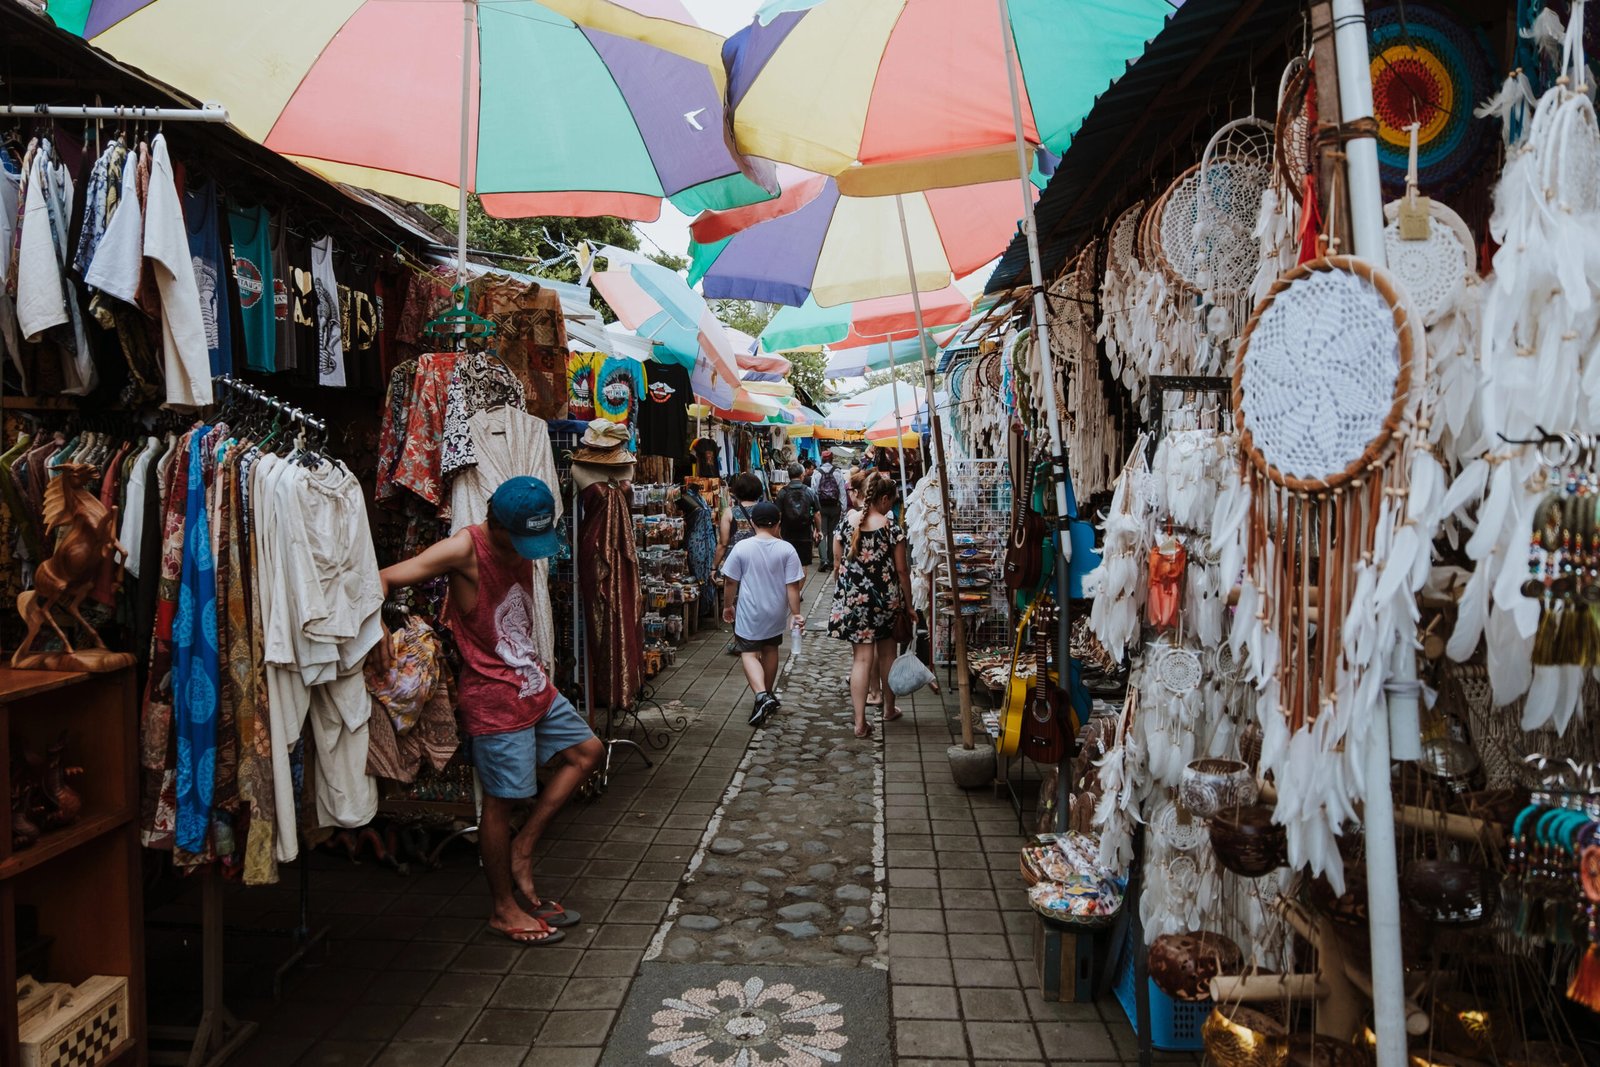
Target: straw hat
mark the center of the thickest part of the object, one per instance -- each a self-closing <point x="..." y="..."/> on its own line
<point x="602" y="455"/>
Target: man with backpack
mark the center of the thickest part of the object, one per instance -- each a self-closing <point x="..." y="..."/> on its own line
<point x="801" y="517"/>
<point x="828" y="484"/>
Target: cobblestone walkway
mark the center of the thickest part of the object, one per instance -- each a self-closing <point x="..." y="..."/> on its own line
<point x="791" y="864"/>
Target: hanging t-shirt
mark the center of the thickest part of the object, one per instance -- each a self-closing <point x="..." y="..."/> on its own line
<point x="252" y="272"/>
<point x="582" y="370"/>
<point x="205" y="248"/>
<point x="285" y="338"/>
<point x="664" y="412"/>
<point x="330" y="324"/>
<point x="617" y="389"/>
<point x="358" y="320"/>
<point x="392" y="286"/>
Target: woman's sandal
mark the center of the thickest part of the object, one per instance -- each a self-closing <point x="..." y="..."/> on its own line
<point x="864" y="733"/>
<point x="898" y="714"/>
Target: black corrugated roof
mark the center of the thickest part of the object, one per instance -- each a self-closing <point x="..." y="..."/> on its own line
<point x="1207" y="47"/>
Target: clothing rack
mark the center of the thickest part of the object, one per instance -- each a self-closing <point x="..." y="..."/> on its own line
<point x="244" y="389"/>
<point x="210" y="111"/>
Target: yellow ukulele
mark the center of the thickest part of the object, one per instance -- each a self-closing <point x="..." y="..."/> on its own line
<point x="1019" y="692"/>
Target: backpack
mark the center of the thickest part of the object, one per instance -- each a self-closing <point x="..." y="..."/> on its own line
<point x="793" y="505"/>
<point x="743" y="526"/>
<point x="828" y="486"/>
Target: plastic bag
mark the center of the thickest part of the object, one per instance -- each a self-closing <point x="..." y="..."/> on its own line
<point x="907" y="674"/>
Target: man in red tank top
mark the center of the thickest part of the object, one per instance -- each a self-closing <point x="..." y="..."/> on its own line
<point x="509" y="708"/>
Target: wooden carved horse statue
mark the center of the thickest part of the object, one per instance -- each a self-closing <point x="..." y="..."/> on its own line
<point x="70" y="574"/>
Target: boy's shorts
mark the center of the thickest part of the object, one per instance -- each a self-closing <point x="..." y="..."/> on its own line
<point x="744" y="644"/>
<point x="508" y="763"/>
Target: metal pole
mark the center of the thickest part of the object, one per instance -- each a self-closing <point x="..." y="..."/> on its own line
<point x="957" y="624"/>
<point x="1041" y="339"/>
<point x="1383" y="887"/>
<point x="899" y="426"/>
<point x="210" y="112"/>
<point x="468" y="10"/>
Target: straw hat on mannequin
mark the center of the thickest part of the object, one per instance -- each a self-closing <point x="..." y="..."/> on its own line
<point x="602" y="455"/>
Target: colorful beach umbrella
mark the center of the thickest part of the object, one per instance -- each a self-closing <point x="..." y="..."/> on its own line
<point x="655" y="303"/>
<point x="838" y="249"/>
<point x="905" y="352"/>
<point x="861" y="322"/>
<point x="903" y="95"/>
<point x="576" y="107"/>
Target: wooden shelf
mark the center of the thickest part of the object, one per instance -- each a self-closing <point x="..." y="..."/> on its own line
<point x="82" y="884"/>
<point x="60" y="842"/>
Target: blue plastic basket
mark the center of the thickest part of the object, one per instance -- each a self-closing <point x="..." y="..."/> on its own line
<point x="1174" y="1024"/>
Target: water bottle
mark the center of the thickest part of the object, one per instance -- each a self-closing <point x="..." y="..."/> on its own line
<point x="794" y="642"/>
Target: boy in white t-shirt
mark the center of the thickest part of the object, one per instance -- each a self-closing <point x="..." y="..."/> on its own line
<point x="762" y="599"/>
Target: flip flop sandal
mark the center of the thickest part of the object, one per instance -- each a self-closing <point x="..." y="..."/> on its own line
<point x="517" y="935"/>
<point x="554" y="915"/>
<point x="864" y="736"/>
<point x="897" y="715"/>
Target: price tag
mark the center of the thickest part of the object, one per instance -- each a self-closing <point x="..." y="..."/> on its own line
<point x="1414" y="218"/>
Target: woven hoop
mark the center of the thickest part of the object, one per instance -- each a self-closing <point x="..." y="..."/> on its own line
<point x="1295" y="139"/>
<point x="1433" y="271"/>
<point x="1235" y="170"/>
<point x="1124" y="237"/>
<point x="1175" y="834"/>
<point x="1179" y="670"/>
<point x="1173" y="247"/>
<point x="1288" y="350"/>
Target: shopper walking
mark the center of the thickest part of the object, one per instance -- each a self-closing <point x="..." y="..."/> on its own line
<point x="762" y="600"/>
<point x="514" y="717"/>
<point x="800" y="516"/>
<point x="874" y="591"/>
<point x="828" y="483"/>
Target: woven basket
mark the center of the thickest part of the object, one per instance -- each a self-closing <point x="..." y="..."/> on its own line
<point x="1237" y="1036"/>
<point x="84" y="1030"/>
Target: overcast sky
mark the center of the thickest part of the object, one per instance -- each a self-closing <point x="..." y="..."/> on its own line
<point x="671" y="231"/>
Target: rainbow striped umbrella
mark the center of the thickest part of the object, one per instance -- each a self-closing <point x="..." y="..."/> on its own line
<point x="576" y="107"/>
<point x="863" y="322"/>
<point x="901" y="95"/>
<point x="838" y="249"/>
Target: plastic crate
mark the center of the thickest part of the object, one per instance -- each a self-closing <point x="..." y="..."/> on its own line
<point x="1174" y="1024"/>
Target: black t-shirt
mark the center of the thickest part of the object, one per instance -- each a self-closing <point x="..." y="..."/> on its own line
<point x="664" y="413"/>
<point x="358" y="313"/>
<point x="302" y="309"/>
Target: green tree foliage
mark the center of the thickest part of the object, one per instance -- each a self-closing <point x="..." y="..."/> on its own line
<point x="751" y="316"/>
<point x="909" y="371"/>
<point x="541" y="244"/>
<point x="807" y="375"/>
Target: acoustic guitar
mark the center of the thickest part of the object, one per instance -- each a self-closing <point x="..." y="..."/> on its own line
<point x="1048" y="725"/>
<point x="1019" y="693"/>
<point x="1025" y="546"/>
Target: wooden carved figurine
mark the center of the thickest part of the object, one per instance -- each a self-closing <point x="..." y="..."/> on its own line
<point x="70" y="574"/>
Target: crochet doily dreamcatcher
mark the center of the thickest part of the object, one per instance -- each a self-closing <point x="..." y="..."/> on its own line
<point x="1323" y="395"/>
<point x="1116" y="298"/>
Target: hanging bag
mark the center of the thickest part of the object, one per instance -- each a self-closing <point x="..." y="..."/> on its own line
<point x="908" y="673"/>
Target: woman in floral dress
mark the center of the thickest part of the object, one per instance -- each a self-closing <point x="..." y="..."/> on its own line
<point x="874" y="589"/>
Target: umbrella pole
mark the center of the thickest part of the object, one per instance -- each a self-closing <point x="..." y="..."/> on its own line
<point x="957" y="624"/>
<point x="899" y="427"/>
<point x="468" y="26"/>
<point x="1041" y="339"/>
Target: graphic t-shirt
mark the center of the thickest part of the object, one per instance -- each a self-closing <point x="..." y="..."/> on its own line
<point x="583" y="368"/>
<point x="303" y="309"/>
<point x="285" y="341"/>
<point x="210" y="272"/>
<point x="252" y="273"/>
<point x="664" y="412"/>
<point x="763" y="567"/>
<point x="358" y="320"/>
<point x="330" y="321"/>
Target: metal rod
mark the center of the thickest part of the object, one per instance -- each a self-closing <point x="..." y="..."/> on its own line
<point x="1041" y="339"/>
<point x="209" y="112"/>
<point x="245" y="389"/>
<point x="1383" y="887"/>
<point x="958" y="625"/>
<point x="467" y="12"/>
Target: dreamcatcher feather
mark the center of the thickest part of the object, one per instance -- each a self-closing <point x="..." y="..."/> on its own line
<point x="1117" y="293"/>
<point x="1163" y="329"/>
<point x="1326" y="396"/>
<point x="1540" y="334"/>
<point x="1118" y="585"/>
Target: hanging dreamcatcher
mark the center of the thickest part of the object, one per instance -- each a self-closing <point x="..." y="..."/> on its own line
<point x="1236" y="171"/>
<point x="1290" y="217"/>
<point x="1325" y="394"/>
<point x="1165" y="321"/>
<point x="1429" y="68"/>
<point x="1116" y="298"/>
<point x="1541" y="328"/>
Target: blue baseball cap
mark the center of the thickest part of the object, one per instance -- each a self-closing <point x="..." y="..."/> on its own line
<point x="527" y="510"/>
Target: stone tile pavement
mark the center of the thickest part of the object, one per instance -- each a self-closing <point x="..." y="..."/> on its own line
<point x="411" y="978"/>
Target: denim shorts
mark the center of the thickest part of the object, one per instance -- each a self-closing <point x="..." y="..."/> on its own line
<point x="508" y="763"/>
